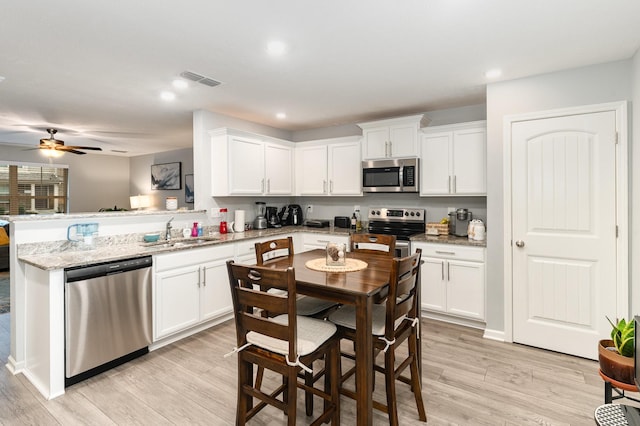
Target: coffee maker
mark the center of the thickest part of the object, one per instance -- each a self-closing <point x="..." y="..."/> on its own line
<point x="294" y="216"/>
<point x="273" y="220"/>
<point x="459" y="222"/>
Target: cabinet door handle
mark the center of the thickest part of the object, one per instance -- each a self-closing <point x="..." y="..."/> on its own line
<point x="199" y="276"/>
<point x="262" y="185"/>
<point x="268" y="186"/>
<point x="390" y="149"/>
<point x="323" y="241"/>
<point x="448" y="274"/>
<point x="442" y="270"/>
<point x="324" y="186"/>
<point x="331" y="186"/>
<point x="204" y="276"/>
<point x="452" y="253"/>
<point x="455" y="189"/>
<point x="449" y="184"/>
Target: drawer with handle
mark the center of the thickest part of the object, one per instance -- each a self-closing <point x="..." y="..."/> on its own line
<point x="451" y="251"/>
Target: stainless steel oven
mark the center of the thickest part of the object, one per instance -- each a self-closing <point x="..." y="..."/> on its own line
<point x="401" y="222"/>
<point x="397" y="175"/>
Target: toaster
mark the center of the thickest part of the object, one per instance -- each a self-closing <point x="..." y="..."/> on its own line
<point x="342" y="222"/>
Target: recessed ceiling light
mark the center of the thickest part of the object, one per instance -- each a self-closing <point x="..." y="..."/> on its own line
<point x="494" y="73"/>
<point x="276" y="48"/>
<point x="168" y="96"/>
<point x="281" y="115"/>
<point x="180" y="84"/>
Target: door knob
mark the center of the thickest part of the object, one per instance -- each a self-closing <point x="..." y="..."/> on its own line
<point x="520" y="243"/>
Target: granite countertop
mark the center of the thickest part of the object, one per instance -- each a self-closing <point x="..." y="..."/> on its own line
<point x="448" y="239"/>
<point x="88" y="215"/>
<point x="72" y="254"/>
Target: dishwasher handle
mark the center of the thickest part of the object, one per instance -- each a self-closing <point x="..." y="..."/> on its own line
<point x="80" y="273"/>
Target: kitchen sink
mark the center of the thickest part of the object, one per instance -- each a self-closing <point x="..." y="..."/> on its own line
<point x="180" y="242"/>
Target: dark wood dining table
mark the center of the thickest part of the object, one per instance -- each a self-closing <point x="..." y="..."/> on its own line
<point x="359" y="288"/>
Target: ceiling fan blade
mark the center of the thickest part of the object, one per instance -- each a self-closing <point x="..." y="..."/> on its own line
<point x="73" y="151"/>
<point x="84" y="147"/>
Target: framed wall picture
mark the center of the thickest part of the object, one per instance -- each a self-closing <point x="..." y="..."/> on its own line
<point x="188" y="188"/>
<point x="166" y="176"/>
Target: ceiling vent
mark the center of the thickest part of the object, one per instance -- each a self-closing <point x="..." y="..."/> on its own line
<point x="199" y="78"/>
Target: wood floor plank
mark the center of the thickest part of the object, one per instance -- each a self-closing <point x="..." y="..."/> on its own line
<point x="467" y="380"/>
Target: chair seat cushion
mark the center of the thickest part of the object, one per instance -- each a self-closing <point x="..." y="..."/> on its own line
<point x="346" y="317"/>
<point x="307" y="306"/>
<point x="311" y="334"/>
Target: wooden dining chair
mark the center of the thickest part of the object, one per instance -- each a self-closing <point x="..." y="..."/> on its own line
<point x="373" y="243"/>
<point x="306" y="305"/>
<point x="394" y="322"/>
<point x="286" y="344"/>
<point x="283" y="247"/>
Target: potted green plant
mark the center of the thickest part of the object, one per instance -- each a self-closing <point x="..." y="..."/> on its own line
<point x="616" y="354"/>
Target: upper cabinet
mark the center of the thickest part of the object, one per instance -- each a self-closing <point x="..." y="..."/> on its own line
<point x="328" y="167"/>
<point x="246" y="164"/>
<point x="454" y="159"/>
<point x="392" y="138"/>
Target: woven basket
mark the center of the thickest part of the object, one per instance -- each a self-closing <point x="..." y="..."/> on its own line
<point x="443" y="228"/>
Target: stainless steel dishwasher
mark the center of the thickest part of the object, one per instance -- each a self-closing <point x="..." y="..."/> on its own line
<point x="107" y="316"/>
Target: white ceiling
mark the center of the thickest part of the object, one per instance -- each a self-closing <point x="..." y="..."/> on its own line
<point x="95" y="69"/>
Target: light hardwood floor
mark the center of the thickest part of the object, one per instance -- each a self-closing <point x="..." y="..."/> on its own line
<point x="467" y="380"/>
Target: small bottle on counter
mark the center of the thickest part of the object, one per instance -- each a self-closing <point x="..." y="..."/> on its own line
<point x="194" y="230"/>
<point x="200" y="230"/>
<point x="358" y="221"/>
<point x="353" y="221"/>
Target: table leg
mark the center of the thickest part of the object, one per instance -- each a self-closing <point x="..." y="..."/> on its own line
<point x="364" y="361"/>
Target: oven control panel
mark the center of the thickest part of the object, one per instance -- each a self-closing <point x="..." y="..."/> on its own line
<point x="397" y="215"/>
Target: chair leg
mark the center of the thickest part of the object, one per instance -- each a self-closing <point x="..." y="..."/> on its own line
<point x="245" y="376"/>
<point x="390" y="383"/>
<point x="333" y="375"/>
<point x="259" y="375"/>
<point x="416" y="379"/>
<point x="290" y="392"/>
<point x="308" y="396"/>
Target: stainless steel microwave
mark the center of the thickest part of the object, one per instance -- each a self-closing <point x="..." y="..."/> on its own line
<point x="397" y="175"/>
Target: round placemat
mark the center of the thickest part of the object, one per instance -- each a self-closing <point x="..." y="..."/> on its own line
<point x="320" y="264"/>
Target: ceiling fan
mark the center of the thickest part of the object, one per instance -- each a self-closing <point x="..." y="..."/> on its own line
<point x="51" y="143"/>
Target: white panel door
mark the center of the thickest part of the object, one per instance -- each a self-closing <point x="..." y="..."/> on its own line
<point x="278" y="167"/>
<point x="435" y="170"/>
<point x="215" y="297"/>
<point x="564" y="231"/>
<point x="311" y="170"/>
<point x="469" y="161"/>
<point x="246" y="166"/>
<point x="345" y="169"/>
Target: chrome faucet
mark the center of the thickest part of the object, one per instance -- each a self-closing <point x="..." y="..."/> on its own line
<point x="167" y="234"/>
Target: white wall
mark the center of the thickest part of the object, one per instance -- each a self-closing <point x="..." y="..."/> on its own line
<point x="634" y="202"/>
<point x="140" y="177"/>
<point x="95" y="180"/>
<point x="595" y="84"/>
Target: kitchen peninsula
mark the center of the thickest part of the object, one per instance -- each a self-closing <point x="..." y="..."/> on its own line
<point x="41" y="253"/>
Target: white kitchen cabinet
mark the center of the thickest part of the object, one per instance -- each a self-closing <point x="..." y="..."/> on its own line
<point x="392" y="138"/>
<point x="246" y="164"/>
<point x="319" y="241"/>
<point x="328" y="167"/>
<point x="454" y="160"/>
<point x="190" y="287"/>
<point x="453" y="280"/>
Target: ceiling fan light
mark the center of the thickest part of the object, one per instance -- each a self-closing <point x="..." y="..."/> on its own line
<point x="51" y="153"/>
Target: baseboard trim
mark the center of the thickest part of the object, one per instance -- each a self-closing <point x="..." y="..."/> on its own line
<point x="454" y="320"/>
<point x="494" y="335"/>
<point x="186" y="333"/>
<point x="13" y="366"/>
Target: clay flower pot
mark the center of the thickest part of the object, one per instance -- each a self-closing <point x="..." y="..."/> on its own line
<point x="614" y="365"/>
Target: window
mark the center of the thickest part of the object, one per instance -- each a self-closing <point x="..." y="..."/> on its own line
<point x="33" y="189"/>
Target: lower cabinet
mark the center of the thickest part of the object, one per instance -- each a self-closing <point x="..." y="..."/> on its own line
<point x="453" y="279"/>
<point x="319" y="241"/>
<point x="190" y="287"/>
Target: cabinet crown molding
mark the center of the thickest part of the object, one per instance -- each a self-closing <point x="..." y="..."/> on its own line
<point x="420" y="119"/>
